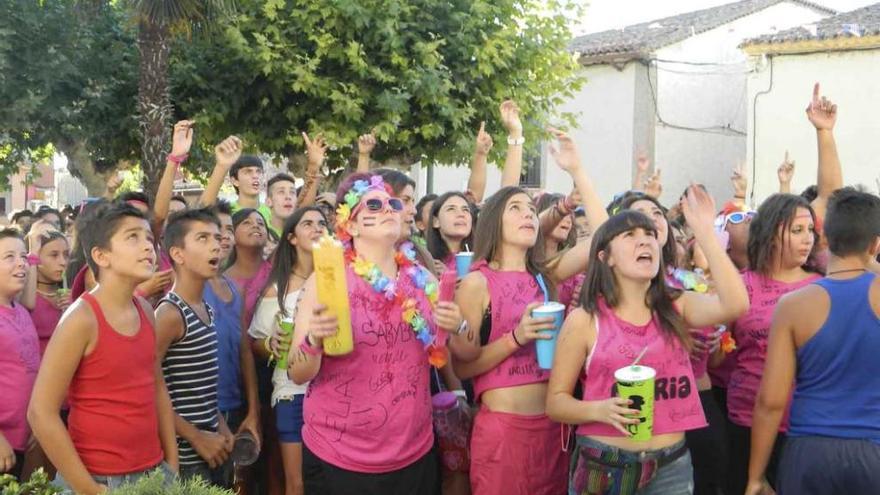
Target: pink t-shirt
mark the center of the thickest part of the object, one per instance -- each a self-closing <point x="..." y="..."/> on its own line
<point x="370" y="411"/>
<point x="19" y="363"/>
<point x="750" y="332"/>
<point x="677" y="405"/>
<point x="250" y="288"/>
<point x="45" y="317"/>
<point x="509" y="294"/>
<point x="720" y="375"/>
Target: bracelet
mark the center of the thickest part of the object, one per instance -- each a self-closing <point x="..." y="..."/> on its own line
<point x="516" y="141"/>
<point x="306" y="347"/>
<point x="739" y="197"/>
<point x="512" y="343"/>
<point x="462" y="328"/>
<point x="33" y="259"/>
<point x="177" y="159"/>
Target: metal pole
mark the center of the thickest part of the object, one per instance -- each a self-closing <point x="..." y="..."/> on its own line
<point x="429" y="187"/>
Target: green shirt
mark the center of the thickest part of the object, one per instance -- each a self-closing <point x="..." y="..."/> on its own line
<point x="264" y="211"/>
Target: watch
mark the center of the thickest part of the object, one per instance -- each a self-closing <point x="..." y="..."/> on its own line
<point x="516" y="142"/>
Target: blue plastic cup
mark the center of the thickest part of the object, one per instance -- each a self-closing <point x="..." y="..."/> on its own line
<point x="463" y="263"/>
<point x="546" y="347"/>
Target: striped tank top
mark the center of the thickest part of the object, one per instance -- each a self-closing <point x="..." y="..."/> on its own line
<point x="191" y="372"/>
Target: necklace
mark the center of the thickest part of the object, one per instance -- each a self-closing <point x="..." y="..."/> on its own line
<point x="370" y="273"/>
<point x="835" y="272"/>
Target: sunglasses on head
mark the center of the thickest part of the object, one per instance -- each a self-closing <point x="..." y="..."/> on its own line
<point x="375" y="205"/>
<point x="739" y="217"/>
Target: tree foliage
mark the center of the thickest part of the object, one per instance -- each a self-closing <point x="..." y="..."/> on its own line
<point x="422" y="73"/>
<point x="68" y="79"/>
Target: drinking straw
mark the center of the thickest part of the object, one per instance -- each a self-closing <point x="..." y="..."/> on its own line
<point x="639" y="357"/>
<point x="543" y="286"/>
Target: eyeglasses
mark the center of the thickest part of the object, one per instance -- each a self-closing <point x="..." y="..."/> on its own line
<point x="375" y="205"/>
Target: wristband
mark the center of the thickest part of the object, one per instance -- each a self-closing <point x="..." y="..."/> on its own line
<point x="268" y="347"/>
<point x="33" y="259"/>
<point x="177" y="159"/>
<point x="462" y="328"/>
<point x="516" y="141"/>
<point x="307" y="348"/>
<point x="739" y="197"/>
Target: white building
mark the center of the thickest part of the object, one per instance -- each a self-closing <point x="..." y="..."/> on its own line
<point x="843" y="54"/>
<point x="674" y="88"/>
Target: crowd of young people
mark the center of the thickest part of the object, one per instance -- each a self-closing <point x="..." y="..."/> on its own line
<point x="173" y="342"/>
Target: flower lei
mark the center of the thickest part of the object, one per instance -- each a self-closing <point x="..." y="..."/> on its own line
<point x="406" y="262"/>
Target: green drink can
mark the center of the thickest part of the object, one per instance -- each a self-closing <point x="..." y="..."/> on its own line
<point x="636" y="383"/>
<point x="285" y="325"/>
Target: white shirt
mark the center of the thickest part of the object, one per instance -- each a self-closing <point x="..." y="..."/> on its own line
<point x="264" y="325"/>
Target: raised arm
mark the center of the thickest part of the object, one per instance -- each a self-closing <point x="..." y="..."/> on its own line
<point x="366" y="143"/>
<point x="822" y="113"/>
<point x="731" y="299"/>
<point x="740" y="182"/>
<point x="316" y="150"/>
<point x="568" y="158"/>
<point x="28" y="297"/>
<point x="642" y="172"/>
<point x="512" y="172"/>
<point x="477" y="181"/>
<point x="181" y="142"/>
<point x="785" y="173"/>
<point x="225" y="155"/>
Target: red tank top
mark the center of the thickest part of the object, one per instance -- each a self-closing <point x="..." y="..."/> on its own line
<point x="113" y="421"/>
<point x="509" y="294"/>
<point x="676" y="400"/>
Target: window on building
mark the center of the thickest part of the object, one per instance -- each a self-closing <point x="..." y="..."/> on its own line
<point x="531" y="172"/>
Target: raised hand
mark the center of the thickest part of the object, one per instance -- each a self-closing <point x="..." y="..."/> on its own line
<point x="113" y="183"/>
<point x="567" y="155"/>
<point x="182" y="138"/>
<point x="510" y="118"/>
<point x="228" y="152"/>
<point x="654" y="186"/>
<point x="484" y="140"/>
<point x="699" y="210"/>
<point x="367" y="142"/>
<point x="316" y="149"/>
<point x="740" y="182"/>
<point x="785" y="172"/>
<point x="642" y="163"/>
<point x="821" y="112"/>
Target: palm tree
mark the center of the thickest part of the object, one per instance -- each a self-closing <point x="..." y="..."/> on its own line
<point x="158" y="22"/>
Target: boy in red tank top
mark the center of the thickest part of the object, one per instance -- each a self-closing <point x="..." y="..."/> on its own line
<point x="102" y="358"/>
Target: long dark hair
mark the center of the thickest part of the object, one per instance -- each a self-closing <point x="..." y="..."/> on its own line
<point x="436" y="244"/>
<point x="779" y="210"/>
<point x="490" y="225"/>
<point x="600" y="281"/>
<point x="668" y="249"/>
<point x="285" y="259"/>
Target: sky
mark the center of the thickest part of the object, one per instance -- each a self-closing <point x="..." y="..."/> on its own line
<point x="602" y="15"/>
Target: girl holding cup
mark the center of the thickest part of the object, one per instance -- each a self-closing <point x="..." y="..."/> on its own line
<point x="629" y="310"/>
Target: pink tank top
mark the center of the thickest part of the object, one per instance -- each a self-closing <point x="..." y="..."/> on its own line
<point x="509" y="294"/>
<point x="699" y="362"/>
<point x="45" y="316"/>
<point x="19" y="363"/>
<point x="250" y="289"/>
<point x="677" y="405"/>
<point x="750" y="332"/>
<point x="370" y="411"/>
<point x="720" y="375"/>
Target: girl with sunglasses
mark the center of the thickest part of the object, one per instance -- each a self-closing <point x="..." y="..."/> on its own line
<point x="368" y="413"/>
<point x="628" y="309"/>
<point x="781" y="248"/>
<point x="291" y="267"/>
<point x="515" y="447"/>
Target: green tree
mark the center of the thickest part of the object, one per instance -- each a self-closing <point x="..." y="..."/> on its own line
<point x="422" y="73"/>
<point x="67" y="82"/>
<point x="158" y="22"/>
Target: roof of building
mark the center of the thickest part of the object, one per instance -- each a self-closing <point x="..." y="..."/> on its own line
<point x="858" y="23"/>
<point x="640" y="40"/>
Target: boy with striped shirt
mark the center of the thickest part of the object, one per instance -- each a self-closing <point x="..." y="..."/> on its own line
<point x="186" y="345"/>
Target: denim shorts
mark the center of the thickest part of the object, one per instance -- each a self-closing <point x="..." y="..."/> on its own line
<point x="289" y="419"/>
<point x="115" y="481"/>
